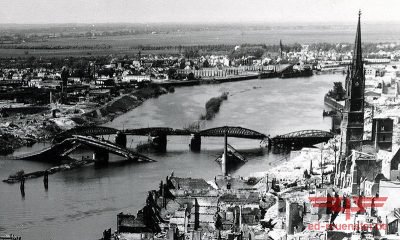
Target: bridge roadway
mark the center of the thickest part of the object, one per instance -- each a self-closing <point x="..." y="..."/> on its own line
<point x="68" y="145"/>
<point x="301" y="138"/>
<point x="230" y="131"/>
<point x="68" y="141"/>
<point x="298" y="138"/>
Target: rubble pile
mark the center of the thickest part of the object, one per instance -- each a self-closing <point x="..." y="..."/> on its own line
<point x="23" y="130"/>
<point x="122" y="104"/>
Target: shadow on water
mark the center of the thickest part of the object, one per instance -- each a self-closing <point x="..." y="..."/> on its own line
<point x="234" y="167"/>
<point x="117" y="164"/>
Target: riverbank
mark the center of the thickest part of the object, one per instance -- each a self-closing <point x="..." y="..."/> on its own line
<point x="211" y="80"/>
<point x="332" y="103"/>
<point x="122" y="104"/>
<point x="306" y="159"/>
<point x="25" y="130"/>
<point x="22" y="130"/>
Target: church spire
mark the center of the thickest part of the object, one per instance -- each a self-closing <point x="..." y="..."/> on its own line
<point x="353" y="114"/>
<point x="357" y="65"/>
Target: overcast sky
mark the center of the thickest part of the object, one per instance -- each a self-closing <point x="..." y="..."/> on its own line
<point x="143" y="11"/>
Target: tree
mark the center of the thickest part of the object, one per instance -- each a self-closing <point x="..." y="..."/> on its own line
<point x="218" y="221"/>
<point x="182" y="64"/>
<point x="258" y="53"/>
<point x="206" y="64"/>
<point x="191" y="53"/>
<point x="338" y="92"/>
<point x="64" y="76"/>
<point x="171" y="73"/>
<point x="190" y="76"/>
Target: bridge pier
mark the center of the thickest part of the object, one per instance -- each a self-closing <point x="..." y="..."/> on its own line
<point x="160" y="142"/>
<point x="269" y="144"/>
<point x="101" y="157"/>
<point x="195" y="143"/>
<point x="224" y="155"/>
<point x="120" y="139"/>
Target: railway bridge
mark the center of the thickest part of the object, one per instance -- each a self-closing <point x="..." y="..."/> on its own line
<point x="101" y="148"/>
<point x="301" y="138"/>
<point x="159" y="135"/>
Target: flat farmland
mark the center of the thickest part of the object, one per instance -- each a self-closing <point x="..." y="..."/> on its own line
<point x="129" y="44"/>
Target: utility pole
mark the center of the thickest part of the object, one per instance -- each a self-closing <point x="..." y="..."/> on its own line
<point x="340" y="157"/>
<point x="322" y="166"/>
<point x="334" y="148"/>
<point x="225" y="154"/>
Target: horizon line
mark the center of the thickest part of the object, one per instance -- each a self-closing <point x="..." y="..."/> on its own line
<point x="209" y="23"/>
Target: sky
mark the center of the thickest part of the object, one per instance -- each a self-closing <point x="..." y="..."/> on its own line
<point x="199" y="11"/>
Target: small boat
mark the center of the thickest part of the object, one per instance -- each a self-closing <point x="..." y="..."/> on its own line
<point x="298" y="73"/>
<point x="268" y="74"/>
<point x="304" y="71"/>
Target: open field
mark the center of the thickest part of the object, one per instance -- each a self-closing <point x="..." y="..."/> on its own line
<point x="130" y="44"/>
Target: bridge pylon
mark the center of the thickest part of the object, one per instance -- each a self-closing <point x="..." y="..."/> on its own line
<point x="160" y="142"/>
<point x="120" y="139"/>
<point x="101" y="157"/>
<point x="195" y="143"/>
<point x="224" y="155"/>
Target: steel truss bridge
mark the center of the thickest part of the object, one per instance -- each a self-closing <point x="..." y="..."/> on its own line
<point x="302" y="138"/>
<point x="65" y="147"/>
<point x="237" y="132"/>
<point x="67" y="141"/>
<point x="298" y="138"/>
<point x="230" y="131"/>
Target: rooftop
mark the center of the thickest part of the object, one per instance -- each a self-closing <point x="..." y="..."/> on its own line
<point x="190" y="183"/>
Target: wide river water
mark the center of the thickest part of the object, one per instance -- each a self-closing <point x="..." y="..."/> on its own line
<point x="81" y="203"/>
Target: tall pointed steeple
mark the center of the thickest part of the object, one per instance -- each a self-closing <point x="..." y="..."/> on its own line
<point x="353" y="114"/>
<point x="357" y="64"/>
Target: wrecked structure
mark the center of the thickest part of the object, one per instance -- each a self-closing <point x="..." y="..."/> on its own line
<point x="195" y="209"/>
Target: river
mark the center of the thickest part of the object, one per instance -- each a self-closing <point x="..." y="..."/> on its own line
<point x="81" y="203"/>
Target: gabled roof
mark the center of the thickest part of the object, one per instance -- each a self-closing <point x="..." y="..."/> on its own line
<point x="190" y="183"/>
<point x="241" y="198"/>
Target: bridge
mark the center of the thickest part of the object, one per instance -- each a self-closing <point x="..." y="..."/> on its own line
<point x="101" y="150"/>
<point x="301" y="138"/>
<point x="157" y="131"/>
<point x="84" y="131"/>
<point x="237" y="132"/>
<point x="159" y="134"/>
